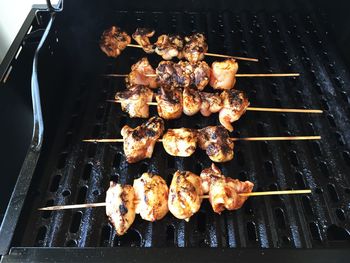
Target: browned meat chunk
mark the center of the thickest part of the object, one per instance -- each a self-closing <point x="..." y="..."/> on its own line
<point x="235" y="104"/>
<point x="223" y="74"/>
<point x="135" y="101"/>
<point x="195" y="47"/>
<point x="185" y="194"/>
<point x="141" y="36"/>
<point x="114" y="41"/>
<point x="120" y="206"/>
<point x="140" y="141"/>
<point x="216" y="142"/>
<point x="140" y="75"/>
<point x="169" y="103"/>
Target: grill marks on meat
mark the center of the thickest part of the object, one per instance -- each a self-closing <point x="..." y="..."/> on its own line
<point x="113" y="41"/>
<point x="234" y="105"/>
<point x="139" y="74"/>
<point x="211" y="103"/>
<point x="180" y="142"/>
<point x="120" y="206"/>
<point x="151" y="192"/>
<point x="223" y="74"/>
<point x="134" y="101"/>
<point x="183" y="74"/>
<point x="139" y="142"/>
<point x="208" y="176"/>
<point x="169" y="47"/>
<point x="172" y="74"/>
<point x="169" y="103"/>
<point x="191" y="101"/>
<point x="201" y="74"/>
<point x="216" y="142"/>
<point x="185" y="194"/>
<point x="224" y="193"/>
<point x="195" y="47"/>
<point x="141" y="36"/>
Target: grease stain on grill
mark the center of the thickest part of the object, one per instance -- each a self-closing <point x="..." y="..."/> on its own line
<point x="99" y="113"/>
<point x="337" y="233"/>
<point x="315" y="231"/>
<point x="75" y="224"/>
<point x="201" y="221"/>
<point x="62" y="160"/>
<point x="92" y="150"/>
<point x="40" y="237"/>
<point x="251" y="231"/>
<point x="280" y="220"/>
<point x="346" y="156"/>
<point x="55" y="183"/>
<point x="268" y="166"/>
<point x="340" y="214"/>
<point x="82" y="195"/>
<point x="132" y="238"/>
<point x="294" y="158"/>
<point x="307" y="206"/>
<point x="87" y="171"/>
<point x="170" y="235"/>
<point x="105" y="235"/>
<point x="299" y="178"/>
<point x="333" y="193"/>
<point x="117" y="159"/>
<point x="240" y="158"/>
<point x="316" y="148"/>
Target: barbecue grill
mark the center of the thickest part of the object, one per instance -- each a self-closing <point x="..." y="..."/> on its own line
<point x="56" y="167"/>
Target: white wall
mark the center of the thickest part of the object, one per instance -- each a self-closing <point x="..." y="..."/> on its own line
<point x="12" y="16"/>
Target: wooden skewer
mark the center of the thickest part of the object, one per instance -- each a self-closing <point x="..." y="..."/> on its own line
<point x="245" y="75"/>
<point x="254" y="108"/>
<point x="283" y="192"/>
<point x="281" y="138"/>
<point x="213" y="55"/>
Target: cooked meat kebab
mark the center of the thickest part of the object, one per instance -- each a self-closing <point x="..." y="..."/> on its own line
<point x="171" y="102"/>
<point x="192" y="48"/>
<point x="139" y="142"/>
<point x="152" y="199"/>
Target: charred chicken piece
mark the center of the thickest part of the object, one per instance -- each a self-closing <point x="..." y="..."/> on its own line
<point x="210" y="175"/>
<point x="120" y="206"/>
<point x="135" y="101"/>
<point x="169" y="47"/>
<point x="201" y="74"/>
<point x="169" y="103"/>
<point x="191" y="101"/>
<point x="151" y="192"/>
<point x="114" y="41"/>
<point x="223" y="74"/>
<point x="141" y="36"/>
<point x="211" y="103"/>
<point x="172" y="74"/>
<point x="180" y="142"/>
<point x="216" y="142"/>
<point x="139" y="75"/>
<point x="140" y="141"/>
<point x="185" y="194"/>
<point x="235" y="103"/>
<point x="224" y="193"/>
<point x="195" y="47"/>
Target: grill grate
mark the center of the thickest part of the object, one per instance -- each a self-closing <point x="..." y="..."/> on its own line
<point x="78" y="172"/>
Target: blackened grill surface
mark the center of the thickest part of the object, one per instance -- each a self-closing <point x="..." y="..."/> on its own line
<point x="78" y="172"/>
